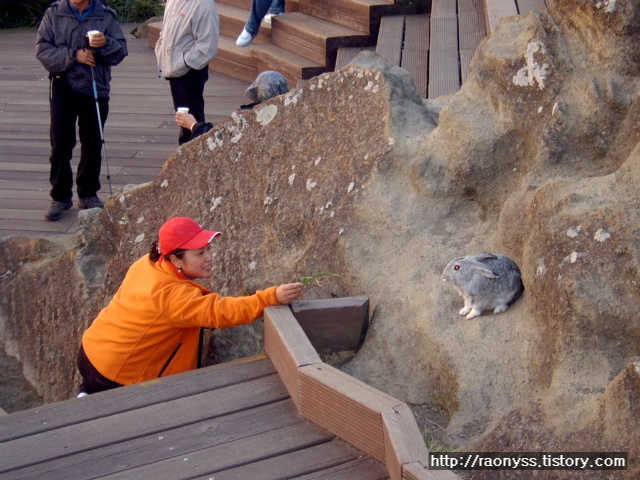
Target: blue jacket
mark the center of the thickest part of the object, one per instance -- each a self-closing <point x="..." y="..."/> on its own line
<point x="59" y="36"/>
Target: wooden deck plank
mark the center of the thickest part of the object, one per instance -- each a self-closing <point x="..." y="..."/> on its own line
<point x="444" y="9"/>
<point x="147" y="456"/>
<point x="293" y="464"/>
<point x="472" y="30"/>
<point x="142" y="421"/>
<point x="391" y="38"/>
<point x="495" y="10"/>
<point x="416" y="63"/>
<point x="231" y="454"/>
<point x="415" y="57"/>
<point x="248" y="429"/>
<point x="526" y="6"/>
<point x="417" y="33"/>
<point x="360" y="469"/>
<point x="53" y="416"/>
<point x="444" y="74"/>
<point x="346" y="55"/>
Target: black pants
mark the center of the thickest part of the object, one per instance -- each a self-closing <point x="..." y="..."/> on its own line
<point x="93" y="380"/>
<point x="188" y="91"/>
<point x="68" y="107"/>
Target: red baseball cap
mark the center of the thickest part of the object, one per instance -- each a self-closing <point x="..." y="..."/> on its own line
<point x="185" y="233"/>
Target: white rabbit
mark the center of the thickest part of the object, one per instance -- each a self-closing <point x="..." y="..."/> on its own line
<point x="485" y="281"/>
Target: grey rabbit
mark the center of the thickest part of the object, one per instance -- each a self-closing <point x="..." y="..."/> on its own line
<point x="485" y="281"/>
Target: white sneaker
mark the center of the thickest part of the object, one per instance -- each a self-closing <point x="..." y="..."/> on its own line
<point x="245" y="38"/>
<point x="268" y="17"/>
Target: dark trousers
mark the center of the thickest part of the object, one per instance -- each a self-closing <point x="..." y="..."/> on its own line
<point x="188" y="91"/>
<point x="69" y="107"/>
<point x="93" y="380"/>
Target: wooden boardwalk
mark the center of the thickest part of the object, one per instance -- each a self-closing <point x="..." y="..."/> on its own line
<point x="231" y="421"/>
<point x="282" y="414"/>
<point x="436" y="48"/>
<point x="140" y="133"/>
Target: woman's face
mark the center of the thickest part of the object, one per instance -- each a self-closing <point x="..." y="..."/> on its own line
<point x="196" y="263"/>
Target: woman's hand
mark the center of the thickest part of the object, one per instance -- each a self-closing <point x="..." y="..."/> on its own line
<point x="289" y="292"/>
<point x="185" y="120"/>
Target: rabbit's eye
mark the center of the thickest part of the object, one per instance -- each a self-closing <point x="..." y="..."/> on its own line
<point x="456" y="267"/>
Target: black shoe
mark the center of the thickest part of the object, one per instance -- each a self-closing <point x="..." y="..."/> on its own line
<point x="55" y="210"/>
<point x="91" y="202"/>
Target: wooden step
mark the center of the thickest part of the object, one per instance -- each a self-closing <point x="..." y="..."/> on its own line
<point x="289" y="5"/>
<point x="237" y="62"/>
<point x="292" y="66"/>
<point x="315" y="39"/>
<point x="244" y="4"/>
<point x="233" y="20"/>
<point x="361" y="15"/>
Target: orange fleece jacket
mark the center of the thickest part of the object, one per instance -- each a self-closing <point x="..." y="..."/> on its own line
<point x="151" y="327"/>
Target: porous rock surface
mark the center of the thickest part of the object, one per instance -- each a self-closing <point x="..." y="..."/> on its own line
<point x="536" y="157"/>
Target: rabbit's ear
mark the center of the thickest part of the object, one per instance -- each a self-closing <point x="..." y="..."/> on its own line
<point x="484" y="256"/>
<point x="484" y="271"/>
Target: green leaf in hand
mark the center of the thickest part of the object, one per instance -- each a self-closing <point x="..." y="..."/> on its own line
<point x="314" y="278"/>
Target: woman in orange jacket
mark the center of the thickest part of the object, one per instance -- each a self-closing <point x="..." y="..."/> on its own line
<point x="151" y="327"/>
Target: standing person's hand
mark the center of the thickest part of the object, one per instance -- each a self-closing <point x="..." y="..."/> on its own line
<point x="289" y="292"/>
<point x="97" y="40"/>
<point x="185" y="120"/>
<point x="84" y="55"/>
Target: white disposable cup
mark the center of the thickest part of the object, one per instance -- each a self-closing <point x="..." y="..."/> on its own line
<point x="184" y="110"/>
<point x="91" y="33"/>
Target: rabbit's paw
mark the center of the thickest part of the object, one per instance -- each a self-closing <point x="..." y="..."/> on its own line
<point x="474" y="313"/>
<point x="463" y="311"/>
<point x="501" y="308"/>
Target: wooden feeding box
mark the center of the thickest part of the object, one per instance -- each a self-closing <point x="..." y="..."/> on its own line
<point x="335" y="326"/>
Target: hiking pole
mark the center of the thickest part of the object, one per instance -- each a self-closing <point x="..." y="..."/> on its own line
<point x="104" y="148"/>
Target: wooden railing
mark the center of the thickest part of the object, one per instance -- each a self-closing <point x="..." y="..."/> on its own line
<point x="363" y="416"/>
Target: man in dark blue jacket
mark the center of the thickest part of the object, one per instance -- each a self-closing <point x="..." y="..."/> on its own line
<point x="74" y="62"/>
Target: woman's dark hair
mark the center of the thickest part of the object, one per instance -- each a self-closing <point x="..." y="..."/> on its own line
<point x="154" y="253"/>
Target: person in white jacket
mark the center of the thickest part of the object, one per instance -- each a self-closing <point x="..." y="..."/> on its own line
<point x="188" y="41"/>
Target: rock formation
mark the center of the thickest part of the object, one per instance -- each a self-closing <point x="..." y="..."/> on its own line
<point x="536" y="157"/>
